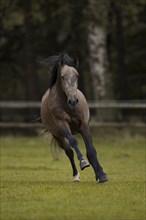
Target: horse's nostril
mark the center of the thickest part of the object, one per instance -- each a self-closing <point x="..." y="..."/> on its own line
<point x="69" y="101"/>
<point x="73" y="101"/>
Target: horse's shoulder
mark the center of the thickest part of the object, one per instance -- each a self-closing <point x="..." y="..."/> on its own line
<point x="81" y="97"/>
<point x="83" y="109"/>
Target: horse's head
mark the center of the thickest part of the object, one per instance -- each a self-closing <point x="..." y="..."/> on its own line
<point x="69" y="82"/>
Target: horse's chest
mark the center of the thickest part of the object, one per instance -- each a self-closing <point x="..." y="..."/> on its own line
<point x="72" y="113"/>
<point x="74" y="118"/>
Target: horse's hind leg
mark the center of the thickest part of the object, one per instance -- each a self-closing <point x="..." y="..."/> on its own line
<point x="73" y="142"/>
<point x="69" y="152"/>
<point x="76" y="176"/>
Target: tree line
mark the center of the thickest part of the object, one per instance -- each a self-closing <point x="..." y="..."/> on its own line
<point x="107" y="36"/>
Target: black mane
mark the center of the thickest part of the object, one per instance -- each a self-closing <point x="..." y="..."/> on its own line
<point x="53" y="63"/>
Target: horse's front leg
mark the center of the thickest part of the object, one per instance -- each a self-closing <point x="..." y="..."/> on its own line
<point x="73" y="142"/>
<point x="92" y="155"/>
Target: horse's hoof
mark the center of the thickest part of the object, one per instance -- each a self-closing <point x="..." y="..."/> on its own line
<point x="76" y="178"/>
<point x="103" y="179"/>
<point x="84" y="164"/>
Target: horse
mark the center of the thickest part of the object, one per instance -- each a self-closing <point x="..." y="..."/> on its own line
<point x="64" y="112"/>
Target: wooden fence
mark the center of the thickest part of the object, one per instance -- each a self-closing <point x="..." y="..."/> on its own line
<point x="134" y="105"/>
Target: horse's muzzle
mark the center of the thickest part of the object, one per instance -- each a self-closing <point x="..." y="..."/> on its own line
<point x="72" y="102"/>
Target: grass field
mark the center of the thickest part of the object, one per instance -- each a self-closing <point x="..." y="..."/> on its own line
<point x="34" y="186"/>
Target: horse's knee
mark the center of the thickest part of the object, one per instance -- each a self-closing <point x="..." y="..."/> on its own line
<point x="73" y="142"/>
<point x="71" y="139"/>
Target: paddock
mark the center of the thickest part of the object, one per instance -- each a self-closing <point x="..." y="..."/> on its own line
<point x="35" y="186"/>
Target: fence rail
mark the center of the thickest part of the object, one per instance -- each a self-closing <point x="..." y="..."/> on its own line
<point x="100" y="104"/>
<point x="92" y="105"/>
<point x="92" y="124"/>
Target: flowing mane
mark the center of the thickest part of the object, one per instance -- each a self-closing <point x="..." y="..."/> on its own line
<point x="53" y="63"/>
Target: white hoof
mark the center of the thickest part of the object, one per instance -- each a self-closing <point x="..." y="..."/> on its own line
<point x="76" y="178"/>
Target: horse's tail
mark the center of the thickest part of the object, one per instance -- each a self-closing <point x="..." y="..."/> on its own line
<point x="55" y="149"/>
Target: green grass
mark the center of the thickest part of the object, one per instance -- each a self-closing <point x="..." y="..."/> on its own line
<point x="34" y="186"/>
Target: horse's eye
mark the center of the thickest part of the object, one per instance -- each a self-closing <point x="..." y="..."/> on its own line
<point x="62" y="76"/>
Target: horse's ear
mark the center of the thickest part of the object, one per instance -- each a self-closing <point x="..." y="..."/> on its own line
<point x="76" y="61"/>
<point x="61" y="60"/>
